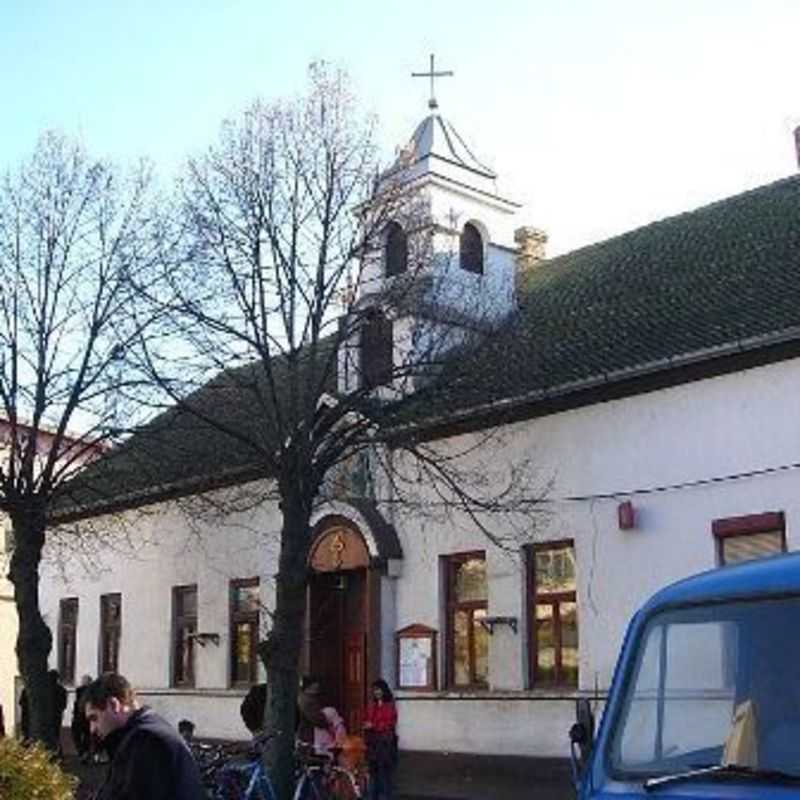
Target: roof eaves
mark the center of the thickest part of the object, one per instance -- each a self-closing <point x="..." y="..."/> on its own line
<point x="185" y="487"/>
<point x="536" y="396"/>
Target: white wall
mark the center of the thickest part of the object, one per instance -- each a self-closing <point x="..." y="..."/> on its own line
<point x="514" y="726"/>
<point x="159" y="551"/>
<point x="453" y="206"/>
<point x="706" y="430"/>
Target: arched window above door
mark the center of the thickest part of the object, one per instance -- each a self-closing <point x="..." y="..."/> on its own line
<point x="395" y="250"/>
<point x="471" y="249"/>
<point x="338" y="548"/>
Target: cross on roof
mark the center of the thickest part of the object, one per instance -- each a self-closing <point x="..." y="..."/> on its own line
<point x="432" y="74"/>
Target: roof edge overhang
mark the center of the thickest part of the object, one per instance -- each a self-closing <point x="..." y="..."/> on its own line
<point x="640" y="379"/>
<point x="159" y="493"/>
<point x="414" y="182"/>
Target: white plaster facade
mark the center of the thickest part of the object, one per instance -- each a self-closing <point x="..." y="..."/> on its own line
<point x="679" y="437"/>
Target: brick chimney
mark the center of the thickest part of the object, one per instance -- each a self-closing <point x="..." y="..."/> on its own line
<point x="530" y="248"/>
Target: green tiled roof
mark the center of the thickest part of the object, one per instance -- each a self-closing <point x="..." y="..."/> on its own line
<point x="691" y="286"/>
<point x="725" y="274"/>
<point x="223" y="439"/>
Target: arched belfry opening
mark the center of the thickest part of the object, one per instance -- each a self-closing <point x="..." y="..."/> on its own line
<point x="471" y="249"/>
<point x="343" y="611"/>
<point x="395" y="250"/>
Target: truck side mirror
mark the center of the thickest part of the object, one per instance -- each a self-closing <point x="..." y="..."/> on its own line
<point x="581" y="736"/>
<point x="578" y="735"/>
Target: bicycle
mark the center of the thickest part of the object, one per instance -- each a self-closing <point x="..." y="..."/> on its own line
<point x="319" y="777"/>
<point x="231" y="772"/>
<point x="209" y="757"/>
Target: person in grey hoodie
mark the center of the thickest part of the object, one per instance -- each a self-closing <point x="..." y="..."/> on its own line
<point x="149" y="759"/>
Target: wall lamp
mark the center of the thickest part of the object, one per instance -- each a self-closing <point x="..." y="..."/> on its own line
<point x="491" y="622"/>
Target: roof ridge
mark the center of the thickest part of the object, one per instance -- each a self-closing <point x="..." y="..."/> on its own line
<point x="672" y="218"/>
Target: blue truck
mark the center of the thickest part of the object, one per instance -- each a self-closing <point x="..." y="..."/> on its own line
<point x="705" y="699"/>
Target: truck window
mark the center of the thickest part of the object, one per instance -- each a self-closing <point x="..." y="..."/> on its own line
<point x="675" y="707"/>
<point x="693" y="669"/>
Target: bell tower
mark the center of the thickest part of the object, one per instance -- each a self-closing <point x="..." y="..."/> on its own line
<point x="445" y="267"/>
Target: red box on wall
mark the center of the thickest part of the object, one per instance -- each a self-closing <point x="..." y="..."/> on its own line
<point x="626" y="514"/>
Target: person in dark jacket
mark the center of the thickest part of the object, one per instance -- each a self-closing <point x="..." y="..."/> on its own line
<point x="24" y="716"/>
<point x="58" y="698"/>
<point x="252" y="708"/>
<point x="149" y="760"/>
<point x="58" y="701"/>
<point x="80" y="725"/>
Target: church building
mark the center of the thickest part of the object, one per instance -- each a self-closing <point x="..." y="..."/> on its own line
<point x="652" y="379"/>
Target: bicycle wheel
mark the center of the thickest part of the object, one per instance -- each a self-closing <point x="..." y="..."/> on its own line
<point x="342" y="785"/>
<point x="311" y="786"/>
<point x="242" y="780"/>
<point x="259" y="787"/>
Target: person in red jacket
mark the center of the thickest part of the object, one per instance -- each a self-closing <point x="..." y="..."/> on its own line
<point x="380" y="732"/>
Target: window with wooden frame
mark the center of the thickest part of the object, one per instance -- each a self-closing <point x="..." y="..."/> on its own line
<point x="467" y="647"/>
<point x="67" y="638"/>
<point x="184" y="626"/>
<point x="245" y="620"/>
<point x="110" y="631"/>
<point x="748" y="537"/>
<point x="553" y="615"/>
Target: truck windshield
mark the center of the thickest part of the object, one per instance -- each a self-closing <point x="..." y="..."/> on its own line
<point x="713" y="684"/>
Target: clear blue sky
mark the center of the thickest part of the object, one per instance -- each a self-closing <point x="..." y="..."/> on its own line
<point x="599" y="116"/>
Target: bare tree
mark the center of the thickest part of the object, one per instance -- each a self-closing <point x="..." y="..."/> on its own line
<point x="279" y="294"/>
<point x="73" y="231"/>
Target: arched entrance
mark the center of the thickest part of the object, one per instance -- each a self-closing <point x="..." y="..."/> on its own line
<point x="343" y="617"/>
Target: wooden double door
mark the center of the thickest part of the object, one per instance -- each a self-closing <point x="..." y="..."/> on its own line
<point x="337" y="641"/>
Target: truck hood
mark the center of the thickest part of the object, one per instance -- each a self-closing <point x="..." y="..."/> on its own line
<point x="721" y="790"/>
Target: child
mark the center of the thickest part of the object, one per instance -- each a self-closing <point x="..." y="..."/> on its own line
<point x="380" y="730"/>
<point x="331" y="736"/>
<point x="186" y="730"/>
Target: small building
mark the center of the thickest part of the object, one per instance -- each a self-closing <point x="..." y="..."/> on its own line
<point x="8" y="634"/>
<point x="651" y="378"/>
<point x="10" y="680"/>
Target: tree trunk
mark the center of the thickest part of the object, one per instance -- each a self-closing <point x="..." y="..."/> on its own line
<point x="281" y="652"/>
<point x="34" y="640"/>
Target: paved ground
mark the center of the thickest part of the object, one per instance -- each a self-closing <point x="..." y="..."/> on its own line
<point x="90" y="776"/>
<point x="440" y="776"/>
<point x="455" y="776"/>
